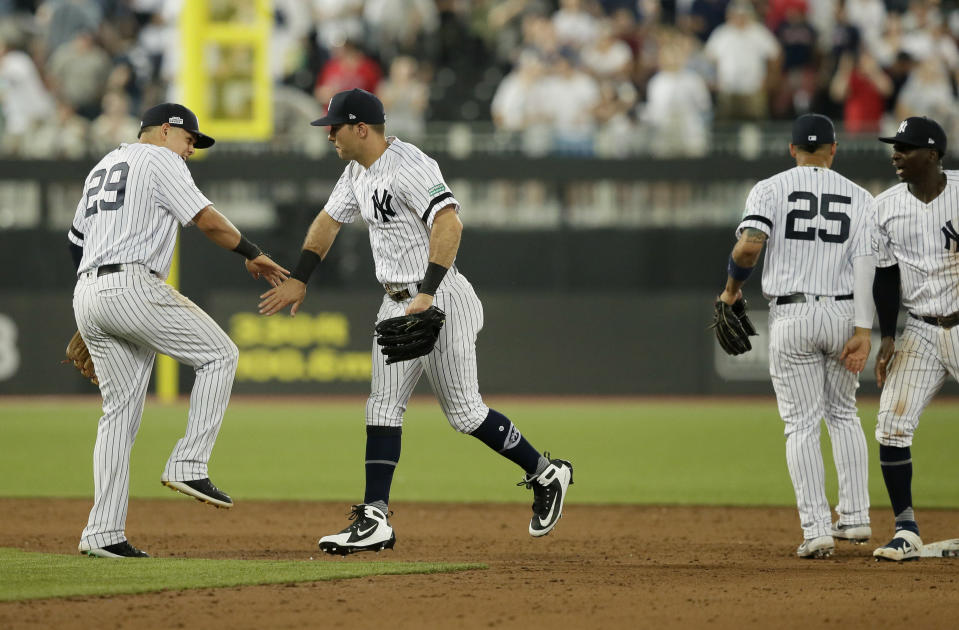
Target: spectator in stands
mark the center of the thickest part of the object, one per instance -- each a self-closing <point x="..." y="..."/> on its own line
<point x="869" y="18"/>
<point x="777" y="11"/>
<point x="519" y="94"/>
<point x="747" y="58"/>
<point x="501" y="24"/>
<point x="575" y="26"/>
<point x="862" y="86"/>
<point x="569" y="97"/>
<point x="613" y="114"/>
<point x="115" y="125"/>
<point x="928" y="92"/>
<point x="348" y="68"/>
<point x="64" y="136"/>
<point x="400" y="28"/>
<point x="337" y="21"/>
<point x="405" y="96"/>
<point x="704" y="17"/>
<point x="798" y="39"/>
<point x="608" y="57"/>
<point x="889" y="46"/>
<point x="899" y="72"/>
<point x="24" y="101"/>
<point x="678" y="105"/>
<point x="78" y="72"/>
<point x="62" y="20"/>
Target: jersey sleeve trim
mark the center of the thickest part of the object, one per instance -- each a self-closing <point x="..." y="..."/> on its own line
<point x="756" y="217"/>
<point x="433" y="204"/>
<point x="77" y="234"/>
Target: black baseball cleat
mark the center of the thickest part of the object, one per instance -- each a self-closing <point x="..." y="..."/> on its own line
<point x="370" y="531"/>
<point x="549" y="492"/>
<point x="119" y="550"/>
<point x="201" y="490"/>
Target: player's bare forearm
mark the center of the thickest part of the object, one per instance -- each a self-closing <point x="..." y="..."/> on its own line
<point x="745" y="254"/>
<point x="217" y="228"/>
<point x="445" y="237"/>
<point x="322" y="233"/>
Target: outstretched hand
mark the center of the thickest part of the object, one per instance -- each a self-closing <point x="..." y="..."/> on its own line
<point x="856" y="351"/>
<point x="263" y="266"/>
<point x="290" y="291"/>
<point x="887" y="349"/>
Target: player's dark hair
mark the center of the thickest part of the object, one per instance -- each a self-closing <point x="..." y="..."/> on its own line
<point x="144" y="130"/>
<point x="808" y="148"/>
<point x="379" y="128"/>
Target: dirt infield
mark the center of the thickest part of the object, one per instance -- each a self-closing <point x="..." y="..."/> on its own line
<point x="603" y="567"/>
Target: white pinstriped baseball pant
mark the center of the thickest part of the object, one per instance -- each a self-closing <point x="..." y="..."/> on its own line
<point x="925" y="355"/>
<point x="450" y="367"/>
<point x="805" y="341"/>
<point x="125" y="318"/>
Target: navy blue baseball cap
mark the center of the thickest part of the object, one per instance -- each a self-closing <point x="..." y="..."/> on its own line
<point x="177" y="116"/>
<point x="919" y="131"/>
<point x="813" y="129"/>
<point x="351" y="107"/>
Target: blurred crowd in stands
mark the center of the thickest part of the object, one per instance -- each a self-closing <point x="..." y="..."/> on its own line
<point x="580" y="77"/>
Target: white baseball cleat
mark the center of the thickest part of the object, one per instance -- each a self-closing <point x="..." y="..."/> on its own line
<point x="904" y="546"/>
<point x="820" y="547"/>
<point x="857" y="534"/>
<point x="370" y="531"/>
<point x="549" y="492"/>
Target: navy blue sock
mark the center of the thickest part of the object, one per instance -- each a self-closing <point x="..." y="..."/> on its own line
<point x="382" y="456"/>
<point x="498" y="433"/>
<point x="896" y="463"/>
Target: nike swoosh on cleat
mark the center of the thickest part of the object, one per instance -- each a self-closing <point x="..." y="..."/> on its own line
<point x="364" y="533"/>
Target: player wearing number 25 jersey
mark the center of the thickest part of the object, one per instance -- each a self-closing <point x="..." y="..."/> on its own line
<point x="122" y="241"/>
<point x="817" y="276"/>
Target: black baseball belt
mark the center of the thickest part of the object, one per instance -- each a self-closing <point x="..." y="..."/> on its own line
<point x="943" y="322"/>
<point x="104" y="270"/>
<point x="802" y="298"/>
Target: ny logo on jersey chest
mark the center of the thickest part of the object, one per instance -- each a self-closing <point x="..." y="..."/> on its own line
<point x="382" y="206"/>
<point x="951" y="237"/>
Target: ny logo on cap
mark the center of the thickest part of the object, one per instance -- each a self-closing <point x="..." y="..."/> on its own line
<point x="902" y="126"/>
<point x="176" y="120"/>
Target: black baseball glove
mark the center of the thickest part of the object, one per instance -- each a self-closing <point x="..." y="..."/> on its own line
<point x="409" y="336"/>
<point x="733" y="327"/>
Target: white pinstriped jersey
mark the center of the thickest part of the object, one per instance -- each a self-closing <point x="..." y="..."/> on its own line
<point x="924" y="240"/>
<point x="817" y="222"/>
<point x="398" y="197"/>
<point x="132" y="201"/>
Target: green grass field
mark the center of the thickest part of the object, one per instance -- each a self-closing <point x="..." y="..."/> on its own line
<point x="40" y="575"/>
<point x="696" y="451"/>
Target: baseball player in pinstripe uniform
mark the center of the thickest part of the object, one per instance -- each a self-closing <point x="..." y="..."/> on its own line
<point x="415" y="230"/>
<point x="818" y="275"/>
<point x="122" y="241"/>
<point x="916" y="239"/>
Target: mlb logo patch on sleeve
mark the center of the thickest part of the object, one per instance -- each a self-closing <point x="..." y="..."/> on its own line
<point x="437" y="189"/>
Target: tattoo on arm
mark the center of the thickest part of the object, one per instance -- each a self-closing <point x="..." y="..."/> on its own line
<point x="752" y="235"/>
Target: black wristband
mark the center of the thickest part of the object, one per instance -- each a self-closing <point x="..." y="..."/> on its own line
<point x="431" y="280"/>
<point x="247" y="249"/>
<point x="305" y="266"/>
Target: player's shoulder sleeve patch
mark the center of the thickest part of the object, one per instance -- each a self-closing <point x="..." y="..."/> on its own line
<point x="436" y="189"/>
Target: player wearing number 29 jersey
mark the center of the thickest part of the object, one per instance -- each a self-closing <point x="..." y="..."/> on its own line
<point x="814" y="223"/>
<point x="122" y="241"/>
